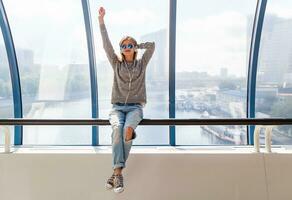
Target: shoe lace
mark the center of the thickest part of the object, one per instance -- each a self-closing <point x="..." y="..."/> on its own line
<point x="119" y="181"/>
<point x="111" y="179"/>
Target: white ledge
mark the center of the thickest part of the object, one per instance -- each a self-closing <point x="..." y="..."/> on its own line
<point x="30" y="149"/>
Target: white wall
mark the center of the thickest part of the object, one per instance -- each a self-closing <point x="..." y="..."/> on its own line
<point x="72" y="174"/>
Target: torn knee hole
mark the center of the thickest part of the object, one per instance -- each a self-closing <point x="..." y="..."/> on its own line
<point x="129" y="134"/>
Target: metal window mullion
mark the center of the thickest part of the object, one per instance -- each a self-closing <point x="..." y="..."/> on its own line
<point x="92" y="66"/>
<point x="253" y="63"/>
<point x="172" y="43"/>
<point x="14" y="72"/>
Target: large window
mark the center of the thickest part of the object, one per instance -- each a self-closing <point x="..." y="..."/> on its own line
<point x="145" y="21"/>
<point x="50" y="41"/>
<point x="274" y="75"/>
<point x="212" y="50"/>
<point x="213" y="39"/>
<point x="6" y="98"/>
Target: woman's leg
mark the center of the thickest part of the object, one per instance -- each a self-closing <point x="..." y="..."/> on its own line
<point x="128" y="133"/>
<point x="117" y="120"/>
<point x="133" y="118"/>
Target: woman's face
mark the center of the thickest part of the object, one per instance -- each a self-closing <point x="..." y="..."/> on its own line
<point x="128" y="47"/>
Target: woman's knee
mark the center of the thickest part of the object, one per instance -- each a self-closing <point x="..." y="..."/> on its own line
<point x="129" y="129"/>
<point x="117" y="126"/>
<point x="116" y="119"/>
<point x="128" y="133"/>
<point x="117" y="134"/>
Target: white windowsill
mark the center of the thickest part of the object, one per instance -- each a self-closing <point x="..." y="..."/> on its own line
<point x="30" y="149"/>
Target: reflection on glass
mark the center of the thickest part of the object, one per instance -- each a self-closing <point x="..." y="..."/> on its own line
<point x="145" y="22"/>
<point x="6" y="98"/>
<point x="212" y="42"/>
<point x="274" y="76"/>
<point x="51" y="49"/>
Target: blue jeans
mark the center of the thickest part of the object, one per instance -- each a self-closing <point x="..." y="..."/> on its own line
<point x="121" y="117"/>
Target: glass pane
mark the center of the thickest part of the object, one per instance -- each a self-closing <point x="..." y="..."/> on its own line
<point x="51" y="47"/>
<point x="274" y="76"/>
<point x="145" y="21"/>
<point x="213" y="39"/>
<point x="6" y="96"/>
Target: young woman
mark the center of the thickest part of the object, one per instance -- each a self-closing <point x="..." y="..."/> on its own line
<point x="128" y="97"/>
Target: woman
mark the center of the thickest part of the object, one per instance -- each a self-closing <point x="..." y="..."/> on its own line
<point x="128" y="97"/>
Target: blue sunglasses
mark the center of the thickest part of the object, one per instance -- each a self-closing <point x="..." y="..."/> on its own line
<point x="129" y="46"/>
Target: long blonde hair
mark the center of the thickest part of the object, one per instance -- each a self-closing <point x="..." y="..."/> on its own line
<point x="135" y="44"/>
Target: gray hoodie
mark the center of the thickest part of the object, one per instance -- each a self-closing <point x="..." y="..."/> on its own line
<point x="121" y="90"/>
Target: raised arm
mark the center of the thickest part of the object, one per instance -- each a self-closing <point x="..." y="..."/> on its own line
<point x="150" y="47"/>
<point x="107" y="45"/>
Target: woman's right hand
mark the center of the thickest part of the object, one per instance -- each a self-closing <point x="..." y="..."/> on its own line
<point x="101" y="12"/>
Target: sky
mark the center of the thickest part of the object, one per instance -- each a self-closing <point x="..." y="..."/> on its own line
<point x="211" y="34"/>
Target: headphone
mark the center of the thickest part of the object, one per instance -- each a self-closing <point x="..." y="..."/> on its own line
<point x="131" y="78"/>
<point x="135" y="54"/>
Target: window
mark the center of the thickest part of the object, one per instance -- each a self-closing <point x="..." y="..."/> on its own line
<point x="6" y="97"/>
<point x="212" y="48"/>
<point x="51" y="49"/>
<point x="274" y="75"/>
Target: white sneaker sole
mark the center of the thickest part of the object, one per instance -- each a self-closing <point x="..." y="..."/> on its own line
<point x="108" y="186"/>
<point x="118" y="190"/>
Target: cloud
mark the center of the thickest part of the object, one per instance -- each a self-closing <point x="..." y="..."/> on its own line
<point x="131" y="17"/>
<point x="212" y="42"/>
<point x="284" y="11"/>
<point x="49" y="28"/>
<point x="45" y="10"/>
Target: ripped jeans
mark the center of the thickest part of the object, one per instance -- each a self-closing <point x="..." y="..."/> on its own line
<point x="122" y="116"/>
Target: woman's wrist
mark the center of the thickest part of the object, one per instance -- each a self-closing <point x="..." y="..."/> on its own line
<point x="140" y="46"/>
<point x="101" y="20"/>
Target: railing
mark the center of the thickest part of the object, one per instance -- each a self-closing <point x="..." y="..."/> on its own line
<point x="268" y="123"/>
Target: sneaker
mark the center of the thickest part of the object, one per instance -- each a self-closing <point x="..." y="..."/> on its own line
<point x="110" y="182"/>
<point x="118" y="184"/>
